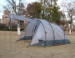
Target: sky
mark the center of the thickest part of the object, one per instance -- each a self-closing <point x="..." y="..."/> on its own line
<point x="3" y="2"/>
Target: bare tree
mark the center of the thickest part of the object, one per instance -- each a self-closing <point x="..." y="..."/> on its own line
<point x="16" y="8"/>
<point x="70" y="9"/>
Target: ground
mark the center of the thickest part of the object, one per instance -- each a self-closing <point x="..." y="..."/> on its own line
<point x="9" y="48"/>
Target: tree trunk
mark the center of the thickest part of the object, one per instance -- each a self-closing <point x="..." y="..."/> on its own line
<point x="70" y="29"/>
<point x="71" y="25"/>
<point x="18" y="29"/>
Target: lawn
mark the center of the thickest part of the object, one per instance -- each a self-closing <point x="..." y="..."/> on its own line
<point x="9" y="48"/>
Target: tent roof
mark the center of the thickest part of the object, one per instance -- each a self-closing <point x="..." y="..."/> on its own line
<point x="19" y="17"/>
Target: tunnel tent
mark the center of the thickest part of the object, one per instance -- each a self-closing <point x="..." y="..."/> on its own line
<point x="43" y="33"/>
<point x="49" y="34"/>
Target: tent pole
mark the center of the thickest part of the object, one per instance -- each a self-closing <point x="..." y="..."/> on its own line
<point x="64" y="38"/>
<point x="10" y="27"/>
<point x="53" y="33"/>
<point x="45" y="33"/>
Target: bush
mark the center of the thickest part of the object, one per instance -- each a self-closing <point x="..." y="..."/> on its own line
<point x="4" y="27"/>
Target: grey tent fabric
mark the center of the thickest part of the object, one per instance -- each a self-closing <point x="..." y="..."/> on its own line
<point x="42" y="32"/>
<point x="46" y="34"/>
<point x="19" y="17"/>
<point x="49" y="34"/>
<point x="30" y="27"/>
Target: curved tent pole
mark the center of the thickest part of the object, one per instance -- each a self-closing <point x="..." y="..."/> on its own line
<point x="61" y="29"/>
<point x="45" y="32"/>
<point x="53" y="32"/>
